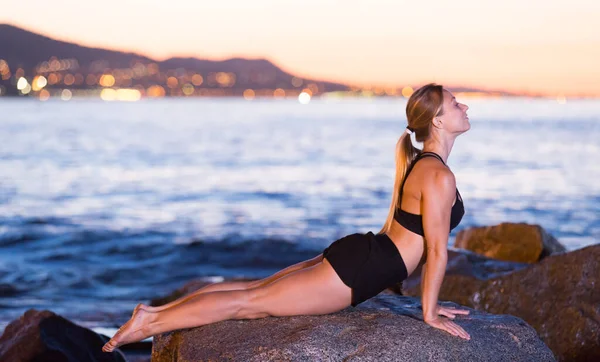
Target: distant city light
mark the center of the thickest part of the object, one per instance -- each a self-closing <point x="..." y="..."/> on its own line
<point x="69" y="79"/>
<point x="155" y="91"/>
<point x="304" y="98"/>
<point x="108" y="94"/>
<point x="4" y="69"/>
<point x="279" y="93"/>
<point x="66" y="95"/>
<point x="225" y="79"/>
<point x="297" y="82"/>
<point x="38" y="83"/>
<point x="107" y="80"/>
<point x="249" y="94"/>
<point x="187" y="89"/>
<point x="90" y="79"/>
<point x="129" y="95"/>
<point x="44" y="95"/>
<point x="313" y="88"/>
<point x="52" y="79"/>
<point x="172" y="82"/>
<point x="407" y="91"/>
<point x="197" y="80"/>
<point x="22" y="83"/>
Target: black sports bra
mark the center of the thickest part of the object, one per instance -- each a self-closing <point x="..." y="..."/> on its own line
<point x="414" y="222"/>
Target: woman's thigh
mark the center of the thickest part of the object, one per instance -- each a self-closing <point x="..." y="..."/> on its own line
<point x="287" y="270"/>
<point x="309" y="291"/>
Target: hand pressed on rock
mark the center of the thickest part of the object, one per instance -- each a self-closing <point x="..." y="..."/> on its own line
<point x="446" y="324"/>
<point x="450" y="312"/>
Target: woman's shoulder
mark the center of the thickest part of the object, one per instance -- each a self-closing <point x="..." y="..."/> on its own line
<point x="435" y="175"/>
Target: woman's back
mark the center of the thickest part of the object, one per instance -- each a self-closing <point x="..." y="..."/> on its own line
<point x="410" y="244"/>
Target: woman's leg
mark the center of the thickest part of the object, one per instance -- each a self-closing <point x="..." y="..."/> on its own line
<point x="309" y="291"/>
<point x="233" y="285"/>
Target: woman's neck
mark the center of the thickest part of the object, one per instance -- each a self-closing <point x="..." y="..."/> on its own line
<point x="439" y="146"/>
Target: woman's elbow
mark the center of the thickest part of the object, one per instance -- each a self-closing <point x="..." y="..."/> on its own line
<point x="437" y="254"/>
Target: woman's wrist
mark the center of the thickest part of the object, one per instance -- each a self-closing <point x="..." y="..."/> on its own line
<point x="429" y="317"/>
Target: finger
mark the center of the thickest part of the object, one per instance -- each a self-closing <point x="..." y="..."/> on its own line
<point x="461" y="311"/>
<point x="455" y="310"/>
<point x="451" y="329"/>
<point x="459" y="330"/>
<point x="446" y="313"/>
<point x="462" y="332"/>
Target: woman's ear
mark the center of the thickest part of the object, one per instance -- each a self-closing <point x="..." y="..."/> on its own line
<point x="437" y="122"/>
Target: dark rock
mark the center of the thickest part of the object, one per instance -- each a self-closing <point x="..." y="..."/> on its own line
<point x="44" y="336"/>
<point x="385" y="328"/>
<point x="467" y="263"/>
<point x="558" y="296"/>
<point x="520" y="242"/>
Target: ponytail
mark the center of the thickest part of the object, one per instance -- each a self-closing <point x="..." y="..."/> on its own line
<point x="405" y="154"/>
<point x="422" y="106"/>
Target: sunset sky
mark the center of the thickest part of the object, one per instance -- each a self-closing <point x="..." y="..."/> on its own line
<point x="541" y="46"/>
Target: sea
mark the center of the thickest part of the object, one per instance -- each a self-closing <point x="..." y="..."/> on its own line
<point x="107" y="204"/>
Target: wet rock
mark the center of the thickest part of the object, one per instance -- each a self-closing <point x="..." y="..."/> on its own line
<point x="44" y="336"/>
<point x="517" y="242"/>
<point x="559" y="297"/>
<point x="385" y="328"/>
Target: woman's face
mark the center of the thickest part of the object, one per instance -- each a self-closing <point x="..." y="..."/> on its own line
<point x="454" y="119"/>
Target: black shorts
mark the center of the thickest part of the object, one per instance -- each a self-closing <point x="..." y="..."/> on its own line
<point x="367" y="263"/>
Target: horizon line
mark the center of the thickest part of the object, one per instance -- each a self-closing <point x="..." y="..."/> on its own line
<point x="346" y="82"/>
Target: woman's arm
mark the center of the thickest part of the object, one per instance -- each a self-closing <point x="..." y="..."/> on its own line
<point x="438" y="195"/>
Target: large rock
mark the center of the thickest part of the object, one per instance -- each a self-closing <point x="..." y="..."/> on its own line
<point x="558" y="296"/>
<point x="44" y="336"/>
<point x="520" y="242"/>
<point x="385" y="328"/>
<point x="468" y="263"/>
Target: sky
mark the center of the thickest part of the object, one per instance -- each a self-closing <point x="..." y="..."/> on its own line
<point x="547" y="47"/>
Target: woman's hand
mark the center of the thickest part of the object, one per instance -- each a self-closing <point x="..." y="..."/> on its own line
<point x="446" y="324"/>
<point x="450" y="312"/>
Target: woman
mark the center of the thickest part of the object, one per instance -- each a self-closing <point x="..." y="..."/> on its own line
<point x="425" y="206"/>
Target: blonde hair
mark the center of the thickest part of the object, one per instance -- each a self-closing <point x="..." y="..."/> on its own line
<point x="423" y="106"/>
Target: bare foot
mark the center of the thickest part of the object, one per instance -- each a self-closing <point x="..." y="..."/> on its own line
<point x="132" y="331"/>
<point x="147" y="308"/>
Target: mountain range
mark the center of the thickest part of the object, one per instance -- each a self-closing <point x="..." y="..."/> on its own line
<point x="26" y="49"/>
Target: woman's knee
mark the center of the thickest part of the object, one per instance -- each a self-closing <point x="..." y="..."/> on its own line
<point x="249" y="306"/>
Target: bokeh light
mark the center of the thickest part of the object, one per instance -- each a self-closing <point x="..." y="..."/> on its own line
<point x="249" y="94"/>
<point x="66" y="95"/>
<point x="304" y="98"/>
<point x="22" y="83"/>
<point x="279" y="93"/>
<point x="155" y="91"/>
<point x="172" y="82"/>
<point x="107" y="80"/>
<point x="197" y="80"/>
<point x="44" y="95"/>
<point x="187" y="89"/>
<point x="407" y="91"/>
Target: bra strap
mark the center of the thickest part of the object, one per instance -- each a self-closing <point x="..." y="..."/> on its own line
<point x="413" y="163"/>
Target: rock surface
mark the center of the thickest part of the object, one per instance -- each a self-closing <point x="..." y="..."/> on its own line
<point x="559" y="297"/>
<point x="44" y="336"/>
<point x="468" y="263"/>
<point x="385" y="328"/>
<point x="517" y="242"/>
